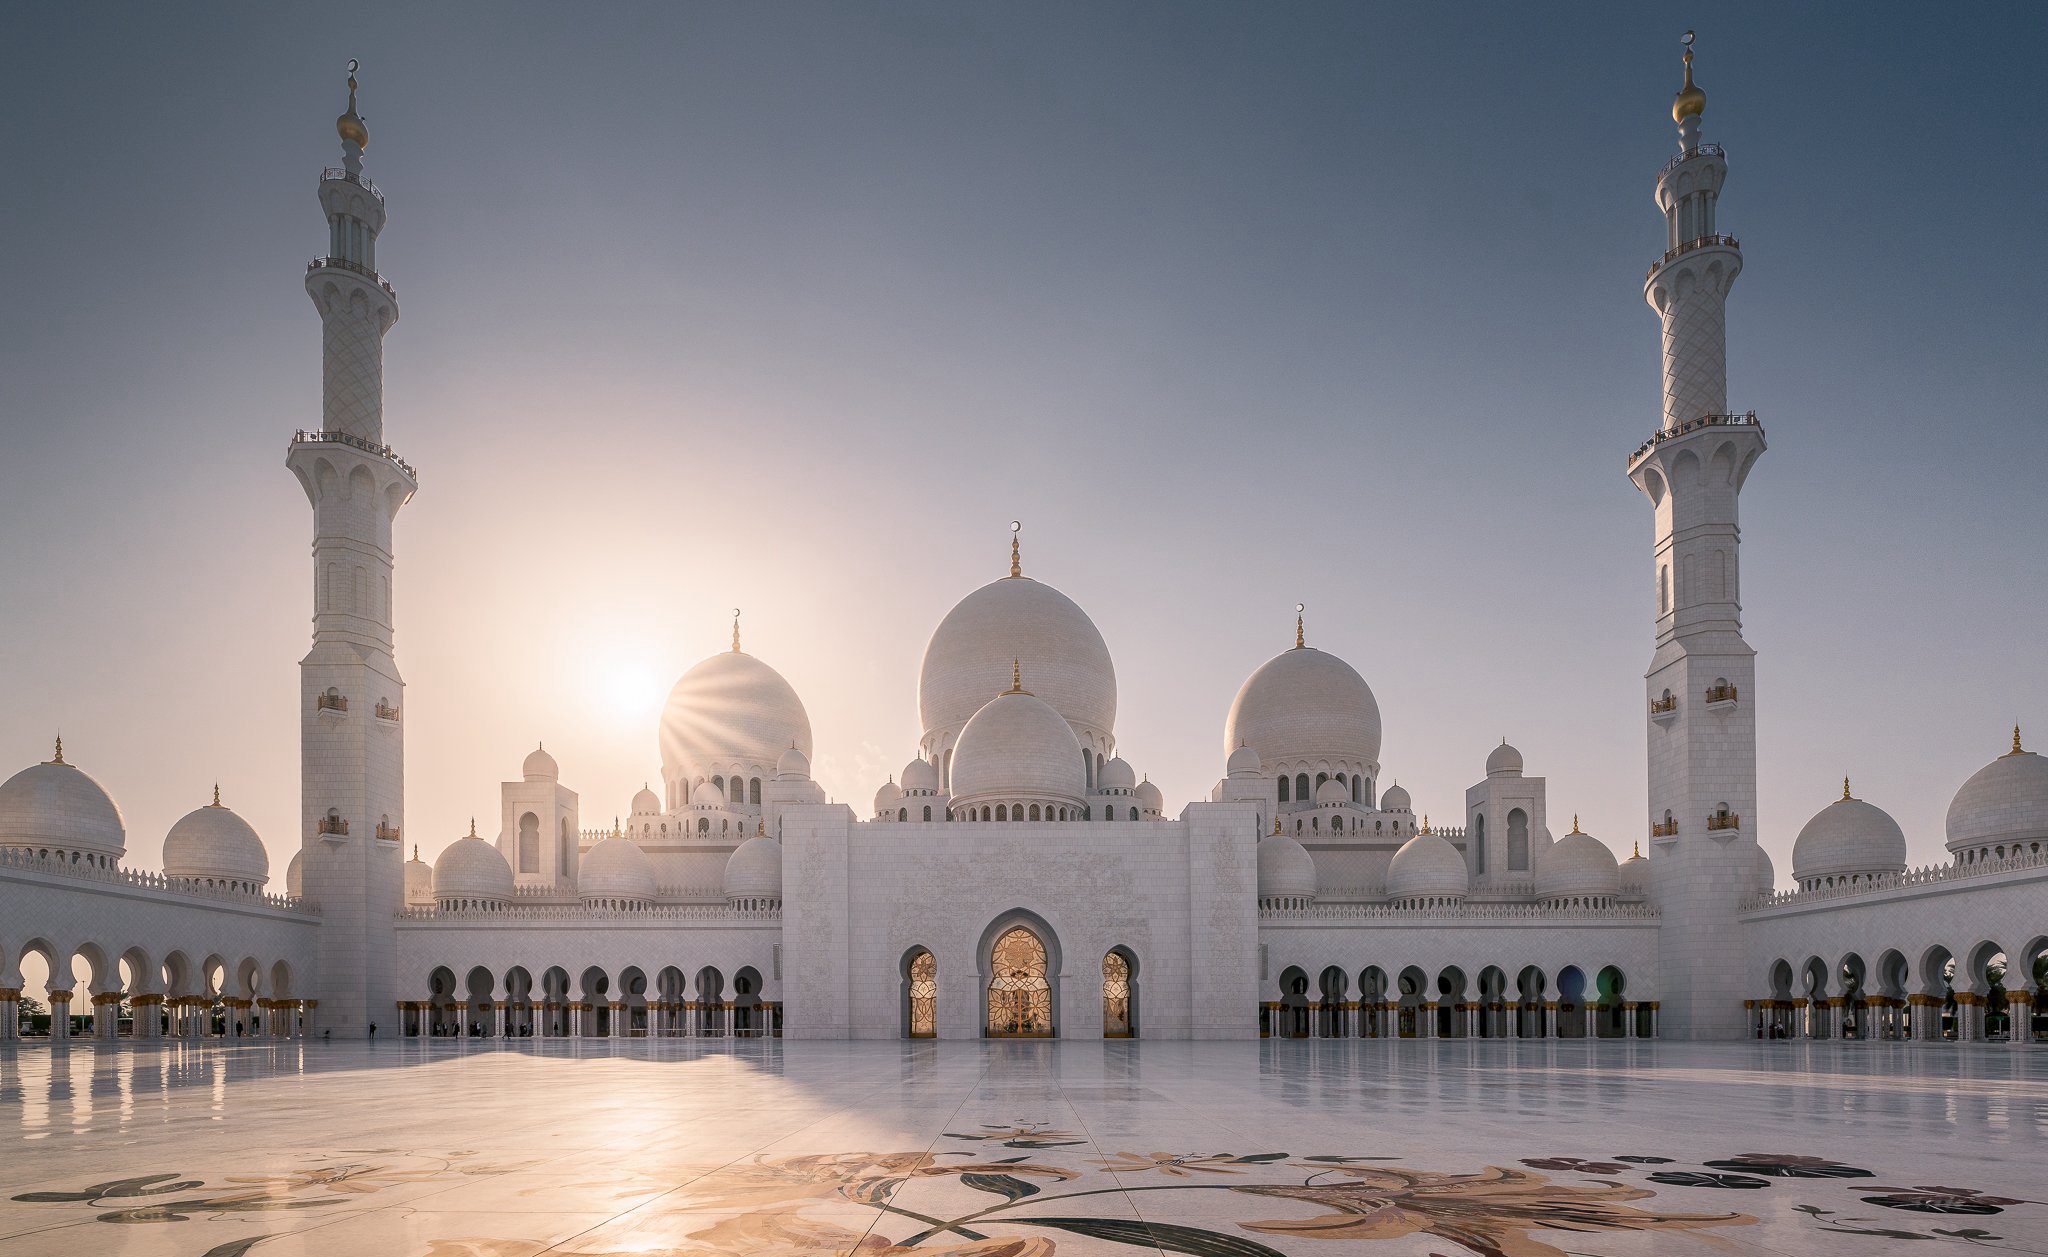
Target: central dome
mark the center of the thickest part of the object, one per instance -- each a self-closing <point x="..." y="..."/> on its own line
<point x="1305" y="705"/>
<point x="731" y="709"/>
<point x="1017" y="621"/>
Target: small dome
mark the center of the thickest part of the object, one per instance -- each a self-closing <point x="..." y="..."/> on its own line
<point x="1763" y="874"/>
<point x="53" y="805"/>
<point x="295" y="876"/>
<point x="707" y="795"/>
<point x="470" y="868"/>
<point x="213" y="844"/>
<point x="1017" y="747"/>
<point x="1117" y="774"/>
<point x="1427" y="867"/>
<point x="1505" y="761"/>
<point x="1243" y="762"/>
<point x="540" y="766"/>
<point x="1577" y="864"/>
<point x="1333" y="791"/>
<point x="887" y="797"/>
<point x="1847" y="837"/>
<point x="419" y="881"/>
<point x="2005" y="801"/>
<point x="793" y="764"/>
<point x="1149" y="796"/>
<point x="616" y="868"/>
<point x="1305" y="704"/>
<point x="1286" y="870"/>
<point x="754" y="869"/>
<point x="920" y="774"/>
<point x="1395" y="799"/>
<point x="646" y="803"/>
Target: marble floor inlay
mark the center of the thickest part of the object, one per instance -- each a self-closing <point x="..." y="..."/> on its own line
<point x="787" y="1149"/>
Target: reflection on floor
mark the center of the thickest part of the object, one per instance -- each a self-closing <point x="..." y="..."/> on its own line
<point x="767" y="1149"/>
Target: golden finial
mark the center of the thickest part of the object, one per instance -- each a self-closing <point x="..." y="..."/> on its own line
<point x="349" y="125"/>
<point x="58" y="758"/>
<point x="735" y="630"/>
<point x="1575" y="824"/>
<point x="415" y="853"/>
<point x="1016" y="678"/>
<point x="216" y="794"/>
<point x="1846" y="796"/>
<point x="761" y="828"/>
<point x="1276" y="826"/>
<point x="1300" y="640"/>
<point x="616" y="831"/>
<point x="1016" y="559"/>
<point x="1425" y="822"/>
<point x="472" y="826"/>
<point x="1636" y="850"/>
<point x="2015" y="744"/>
<point x="1691" y="101"/>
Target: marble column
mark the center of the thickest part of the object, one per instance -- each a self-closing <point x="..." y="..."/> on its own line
<point x="10" y="1014"/>
<point x="2019" y="1010"/>
<point x="60" y="1016"/>
<point x="148" y="1015"/>
<point x="618" y="1019"/>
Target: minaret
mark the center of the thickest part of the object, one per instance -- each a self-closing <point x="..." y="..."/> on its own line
<point x="352" y="760"/>
<point x="1701" y="683"/>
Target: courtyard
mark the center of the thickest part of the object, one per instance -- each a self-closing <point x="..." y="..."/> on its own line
<point x="481" y="1148"/>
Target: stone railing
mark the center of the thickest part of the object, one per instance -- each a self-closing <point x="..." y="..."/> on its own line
<point x="1697" y="150"/>
<point x="1724" y="820"/>
<point x="330" y="702"/>
<point x="29" y="861"/>
<point x="354" y="268"/>
<point x="568" y="895"/>
<point x="520" y="913"/>
<point x="1928" y="875"/>
<point x="386" y="711"/>
<point x="350" y="439"/>
<point x="1702" y="242"/>
<point x="1747" y="419"/>
<point x="1720" y="693"/>
<point x="1467" y="911"/>
<point x="1658" y="706"/>
<point x="333" y="825"/>
<point x="350" y="176"/>
<point x="1663" y="829"/>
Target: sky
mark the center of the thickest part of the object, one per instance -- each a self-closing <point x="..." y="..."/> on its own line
<point x="794" y="307"/>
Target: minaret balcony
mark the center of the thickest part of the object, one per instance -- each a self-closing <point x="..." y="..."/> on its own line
<point x="386" y="711"/>
<point x="1748" y="419"/>
<point x="1702" y="242"/>
<point x="1724" y="820"/>
<point x="1697" y="150"/>
<point x="350" y="439"/>
<point x="349" y="176"/>
<point x="1664" y="829"/>
<point x="331" y="702"/>
<point x="357" y="268"/>
<point x="333" y="826"/>
<point x="1720" y="697"/>
<point x="389" y="833"/>
<point x="1664" y="710"/>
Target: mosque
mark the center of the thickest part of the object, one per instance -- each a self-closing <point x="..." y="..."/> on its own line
<point x="1020" y="876"/>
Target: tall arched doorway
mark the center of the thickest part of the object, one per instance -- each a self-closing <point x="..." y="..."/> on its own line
<point x="1119" y="997"/>
<point x="921" y="996"/>
<point x="1019" y="994"/>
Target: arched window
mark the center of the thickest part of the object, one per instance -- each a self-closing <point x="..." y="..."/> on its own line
<point x="1479" y="842"/>
<point x="927" y="811"/>
<point x="1108" y="813"/>
<point x="1088" y="767"/>
<point x="924" y="996"/>
<point x="984" y="812"/>
<point x="903" y="813"/>
<point x="529" y="843"/>
<point x="1283" y="788"/>
<point x="718" y="784"/>
<point x="1301" y="794"/>
<point x="1002" y="811"/>
<point x="703" y="824"/>
<point x="739" y="790"/>
<point x="754" y="791"/>
<point x="566" y="843"/>
<point x="1034" y="811"/>
<point x="1134" y="813"/>
<point x="1357" y="783"/>
<point x="1663" y="589"/>
<point x="1320" y="779"/>
<point x="946" y="770"/>
<point x="1336" y="824"/>
<point x="1518" y="841"/>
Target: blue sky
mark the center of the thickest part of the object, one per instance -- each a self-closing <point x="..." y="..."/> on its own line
<point x="794" y="307"/>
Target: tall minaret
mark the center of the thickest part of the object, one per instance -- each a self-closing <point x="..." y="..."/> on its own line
<point x="351" y="731"/>
<point x="1702" y="678"/>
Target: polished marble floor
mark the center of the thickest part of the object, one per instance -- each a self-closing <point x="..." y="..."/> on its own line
<point x="1073" y="1149"/>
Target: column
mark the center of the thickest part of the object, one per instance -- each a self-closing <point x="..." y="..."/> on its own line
<point x="60" y="1016"/>
<point x="1546" y="1020"/>
<point x="148" y="1015"/>
<point x="618" y="1012"/>
<point x="2019" y="1010"/>
<point x="10" y="1014"/>
<point x="306" y="1007"/>
<point x="725" y="1020"/>
<point x="1315" y="1018"/>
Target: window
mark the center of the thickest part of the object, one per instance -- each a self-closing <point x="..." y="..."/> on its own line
<point x="1019" y="997"/>
<point x="1134" y="813"/>
<point x="1002" y="811"/>
<point x="718" y="784"/>
<point x="924" y="996"/>
<point x="1034" y="811"/>
<point x="903" y="813"/>
<point x="927" y="811"/>
<point x="739" y="790"/>
<point x="1479" y="842"/>
<point x="1116" y="996"/>
<point x="1283" y="789"/>
<point x="1301" y="793"/>
<point x="1518" y="841"/>
<point x="529" y="843"/>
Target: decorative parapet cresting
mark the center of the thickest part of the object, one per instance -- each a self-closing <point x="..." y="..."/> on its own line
<point x="337" y="437"/>
<point x="1747" y="419"/>
<point x="526" y="912"/>
<point x="35" y="862"/>
<point x="1877" y="883"/>
<point x="1467" y="911"/>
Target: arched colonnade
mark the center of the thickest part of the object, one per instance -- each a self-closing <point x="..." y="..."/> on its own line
<point x="1527" y="1002"/>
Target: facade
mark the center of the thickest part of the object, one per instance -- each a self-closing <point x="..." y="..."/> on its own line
<point x="1019" y="877"/>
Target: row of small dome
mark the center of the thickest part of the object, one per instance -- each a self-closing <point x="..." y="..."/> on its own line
<point x="1009" y="758"/>
<point x="1428" y="869"/>
<point x="471" y="871"/>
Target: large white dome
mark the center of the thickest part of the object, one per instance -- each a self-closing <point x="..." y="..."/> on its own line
<point x="616" y="868"/>
<point x="754" y="869"/>
<point x="1306" y="705"/>
<point x="472" y="869"/>
<point x="1848" y="837"/>
<point x="731" y="709"/>
<point x="53" y="806"/>
<point x="1577" y="865"/>
<point x="1427" y="867"/>
<point x="213" y="844"/>
<point x="1017" y="748"/>
<point x="2003" y="803"/>
<point x="1026" y="622"/>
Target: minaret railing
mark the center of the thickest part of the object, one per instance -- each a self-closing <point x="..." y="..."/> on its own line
<point x="1698" y="242"/>
<point x="338" y="437"/>
<point x="1697" y="150"/>
<point x="349" y="176"/>
<point x="1748" y="419"/>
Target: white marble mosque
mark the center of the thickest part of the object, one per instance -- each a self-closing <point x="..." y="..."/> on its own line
<point x="1021" y="876"/>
